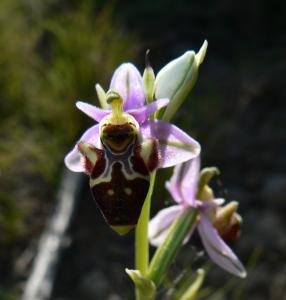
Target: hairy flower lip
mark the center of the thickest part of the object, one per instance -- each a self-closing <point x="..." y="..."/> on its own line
<point x="183" y="188"/>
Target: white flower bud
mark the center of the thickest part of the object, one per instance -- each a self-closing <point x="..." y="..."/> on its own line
<point x="177" y="78"/>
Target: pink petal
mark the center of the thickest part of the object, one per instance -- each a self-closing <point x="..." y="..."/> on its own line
<point x="141" y="114"/>
<point x="174" y="144"/>
<point x="174" y="184"/>
<point x="127" y="81"/>
<point x="160" y="224"/>
<point x="73" y="158"/>
<point x="190" y="180"/>
<point x="211" y="203"/>
<point x="189" y="235"/>
<point x="92" y="111"/>
<point x="217" y="249"/>
<point x="183" y="183"/>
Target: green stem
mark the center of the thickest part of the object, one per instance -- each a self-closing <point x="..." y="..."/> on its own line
<point x="141" y="233"/>
<point x="140" y="295"/>
<point x="164" y="255"/>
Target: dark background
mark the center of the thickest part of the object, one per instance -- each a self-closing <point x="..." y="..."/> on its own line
<point x="52" y="54"/>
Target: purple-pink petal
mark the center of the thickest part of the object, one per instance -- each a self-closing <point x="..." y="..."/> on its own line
<point x="174" y="144"/>
<point x="190" y="180"/>
<point x="160" y="224"/>
<point x="127" y="81"/>
<point x="73" y="158"/>
<point x="184" y="181"/>
<point x="211" y="203"/>
<point x="141" y="114"/>
<point x="92" y="111"/>
<point x="174" y="184"/>
<point x="217" y="249"/>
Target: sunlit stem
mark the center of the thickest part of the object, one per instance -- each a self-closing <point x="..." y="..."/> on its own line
<point x="141" y="234"/>
<point x="141" y="295"/>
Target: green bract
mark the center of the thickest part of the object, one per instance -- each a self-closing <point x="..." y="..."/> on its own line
<point x="145" y="287"/>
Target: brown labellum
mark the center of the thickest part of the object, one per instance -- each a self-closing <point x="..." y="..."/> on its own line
<point x="120" y="173"/>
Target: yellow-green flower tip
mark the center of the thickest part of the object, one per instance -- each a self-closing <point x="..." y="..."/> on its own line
<point x="112" y="96"/>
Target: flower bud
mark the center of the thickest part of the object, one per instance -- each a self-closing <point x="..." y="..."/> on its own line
<point x="177" y="79"/>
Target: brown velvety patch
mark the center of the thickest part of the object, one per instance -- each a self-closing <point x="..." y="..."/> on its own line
<point x="137" y="161"/>
<point x="121" y="200"/>
<point x="154" y="157"/>
<point x="232" y="233"/>
<point x="139" y="164"/>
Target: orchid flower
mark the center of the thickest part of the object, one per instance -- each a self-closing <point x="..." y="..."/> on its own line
<point x="214" y="222"/>
<point x="121" y="151"/>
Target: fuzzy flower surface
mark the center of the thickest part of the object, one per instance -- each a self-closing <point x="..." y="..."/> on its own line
<point x="174" y="145"/>
<point x="214" y="224"/>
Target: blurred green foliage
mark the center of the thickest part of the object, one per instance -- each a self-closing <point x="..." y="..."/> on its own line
<point x="6" y="295"/>
<point x="52" y="53"/>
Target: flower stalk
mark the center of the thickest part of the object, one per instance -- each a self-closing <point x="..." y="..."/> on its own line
<point x="121" y="152"/>
<point x="141" y="232"/>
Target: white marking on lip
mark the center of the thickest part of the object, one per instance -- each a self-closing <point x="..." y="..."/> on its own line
<point x="110" y="192"/>
<point x="128" y="191"/>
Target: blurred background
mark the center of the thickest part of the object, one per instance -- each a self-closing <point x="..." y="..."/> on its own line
<point x="52" y="54"/>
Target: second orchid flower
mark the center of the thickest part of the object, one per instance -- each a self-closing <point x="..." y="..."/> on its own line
<point x="189" y="188"/>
